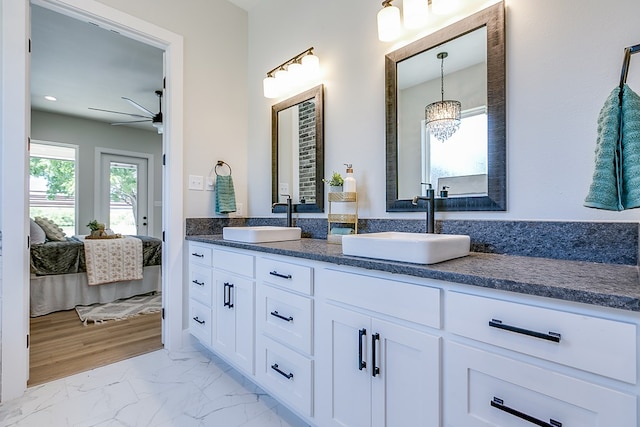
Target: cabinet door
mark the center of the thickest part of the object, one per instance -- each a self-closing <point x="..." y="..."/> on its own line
<point x="344" y="386"/>
<point x="406" y="388"/>
<point x="485" y="389"/>
<point x="234" y="312"/>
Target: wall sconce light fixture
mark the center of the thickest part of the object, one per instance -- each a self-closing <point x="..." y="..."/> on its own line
<point x="292" y="74"/>
<point x="417" y="14"/>
<point x="389" y="27"/>
<point x="442" y="117"/>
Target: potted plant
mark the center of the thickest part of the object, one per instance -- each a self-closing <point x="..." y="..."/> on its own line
<point x="97" y="229"/>
<point x="335" y="183"/>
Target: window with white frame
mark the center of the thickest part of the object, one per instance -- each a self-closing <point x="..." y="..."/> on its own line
<point x="52" y="183"/>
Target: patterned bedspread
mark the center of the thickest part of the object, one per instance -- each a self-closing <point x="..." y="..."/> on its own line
<point x="68" y="257"/>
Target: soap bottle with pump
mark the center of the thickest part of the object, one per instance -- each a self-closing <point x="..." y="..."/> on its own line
<point x="349" y="181"/>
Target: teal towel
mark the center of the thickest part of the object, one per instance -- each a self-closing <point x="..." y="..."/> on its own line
<point x="616" y="179"/>
<point x="342" y="230"/>
<point x="630" y="149"/>
<point x="225" y="195"/>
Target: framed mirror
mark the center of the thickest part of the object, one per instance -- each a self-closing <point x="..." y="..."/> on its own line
<point x="471" y="164"/>
<point x="297" y="151"/>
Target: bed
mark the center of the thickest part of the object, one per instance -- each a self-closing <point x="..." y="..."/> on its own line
<point x="59" y="276"/>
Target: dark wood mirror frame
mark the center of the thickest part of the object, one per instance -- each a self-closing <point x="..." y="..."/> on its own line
<point x="317" y="94"/>
<point x="493" y="18"/>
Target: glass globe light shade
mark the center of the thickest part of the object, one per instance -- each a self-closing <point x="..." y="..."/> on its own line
<point x="389" y="23"/>
<point x="415" y="13"/>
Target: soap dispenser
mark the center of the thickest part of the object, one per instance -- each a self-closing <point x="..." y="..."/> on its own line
<point x="349" y="181"/>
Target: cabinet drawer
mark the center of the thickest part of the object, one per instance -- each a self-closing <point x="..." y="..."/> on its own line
<point x="290" y="276"/>
<point x="200" y="283"/>
<point x="200" y="325"/>
<point x="285" y="317"/>
<point x="200" y="253"/>
<point x="605" y="347"/>
<point x="234" y="262"/>
<point x="286" y="374"/>
<point x="490" y="390"/>
<point x="407" y="301"/>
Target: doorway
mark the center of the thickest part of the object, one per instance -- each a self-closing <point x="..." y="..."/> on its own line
<point x="15" y="307"/>
<point x="125" y="189"/>
<point x="119" y="197"/>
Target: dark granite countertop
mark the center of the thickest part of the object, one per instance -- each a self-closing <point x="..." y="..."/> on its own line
<point x="608" y="285"/>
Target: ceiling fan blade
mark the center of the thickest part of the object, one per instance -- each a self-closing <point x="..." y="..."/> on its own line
<point x="126" y="123"/>
<point x="119" y="112"/>
<point x="138" y="106"/>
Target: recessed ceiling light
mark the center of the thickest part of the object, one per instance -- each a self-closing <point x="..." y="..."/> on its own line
<point x="50" y="98"/>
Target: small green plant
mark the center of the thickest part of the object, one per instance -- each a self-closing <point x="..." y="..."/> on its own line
<point x="94" y="225"/>
<point x="335" y="181"/>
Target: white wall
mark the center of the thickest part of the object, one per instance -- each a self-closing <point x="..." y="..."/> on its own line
<point x="563" y="59"/>
<point x="215" y="97"/>
<point x="88" y="135"/>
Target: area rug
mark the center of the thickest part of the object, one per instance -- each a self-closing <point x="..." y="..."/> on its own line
<point x="121" y="309"/>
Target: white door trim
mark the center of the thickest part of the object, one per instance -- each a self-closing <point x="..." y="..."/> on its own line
<point x="15" y="214"/>
<point x="15" y="112"/>
<point x="98" y="178"/>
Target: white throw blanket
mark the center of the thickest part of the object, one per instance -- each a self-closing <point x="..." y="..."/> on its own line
<point x="113" y="260"/>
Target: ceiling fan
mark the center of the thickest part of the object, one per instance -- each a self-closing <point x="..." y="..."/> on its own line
<point x="154" y="118"/>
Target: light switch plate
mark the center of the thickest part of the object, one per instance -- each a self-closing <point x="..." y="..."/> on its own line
<point x="195" y="182"/>
<point x="211" y="183"/>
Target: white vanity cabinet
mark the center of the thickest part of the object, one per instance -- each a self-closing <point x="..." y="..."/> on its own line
<point x="221" y="302"/>
<point x="233" y="307"/>
<point x="490" y="387"/>
<point x="377" y="363"/>
<point x="284" y="322"/>
<point x="350" y="347"/>
<point x="200" y="292"/>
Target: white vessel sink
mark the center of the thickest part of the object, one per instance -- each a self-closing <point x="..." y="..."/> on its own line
<point x="261" y="234"/>
<point x="419" y="248"/>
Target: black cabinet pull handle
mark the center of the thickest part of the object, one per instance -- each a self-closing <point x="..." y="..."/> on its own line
<point x="198" y="255"/>
<point x="284" y="276"/>
<point x="284" y="374"/>
<point x="227" y="294"/>
<point x="499" y="404"/>
<point x="198" y="320"/>
<point x="375" y="370"/>
<point x="280" y="316"/>
<point x="198" y="283"/>
<point x="361" y="362"/>
<point x="551" y="336"/>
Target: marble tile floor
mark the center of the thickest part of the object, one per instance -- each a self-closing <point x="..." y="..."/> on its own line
<point x="191" y="387"/>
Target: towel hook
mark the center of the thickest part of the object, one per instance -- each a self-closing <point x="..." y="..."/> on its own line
<point x="220" y="164"/>
<point x="628" y="51"/>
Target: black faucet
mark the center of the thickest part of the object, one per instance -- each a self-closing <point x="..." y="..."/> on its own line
<point x="289" y="206"/>
<point x="431" y="207"/>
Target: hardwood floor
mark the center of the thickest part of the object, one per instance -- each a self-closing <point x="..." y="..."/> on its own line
<point x="61" y="345"/>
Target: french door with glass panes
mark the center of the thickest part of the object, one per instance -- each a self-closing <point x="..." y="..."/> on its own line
<point x="124" y="189"/>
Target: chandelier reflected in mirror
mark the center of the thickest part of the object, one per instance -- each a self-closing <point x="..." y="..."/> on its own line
<point x="442" y="117"/>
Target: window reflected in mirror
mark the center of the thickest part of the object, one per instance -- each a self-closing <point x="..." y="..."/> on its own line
<point x="472" y="162"/>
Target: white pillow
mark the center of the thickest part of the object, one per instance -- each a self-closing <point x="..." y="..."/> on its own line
<point x="37" y="233"/>
<point x="51" y="229"/>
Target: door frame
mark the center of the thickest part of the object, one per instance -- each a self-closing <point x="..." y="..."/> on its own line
<point x="99" y="176"/>
<point x="15" y="113"/>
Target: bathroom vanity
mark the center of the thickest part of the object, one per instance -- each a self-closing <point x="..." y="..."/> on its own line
<point x="475" y="341"/>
